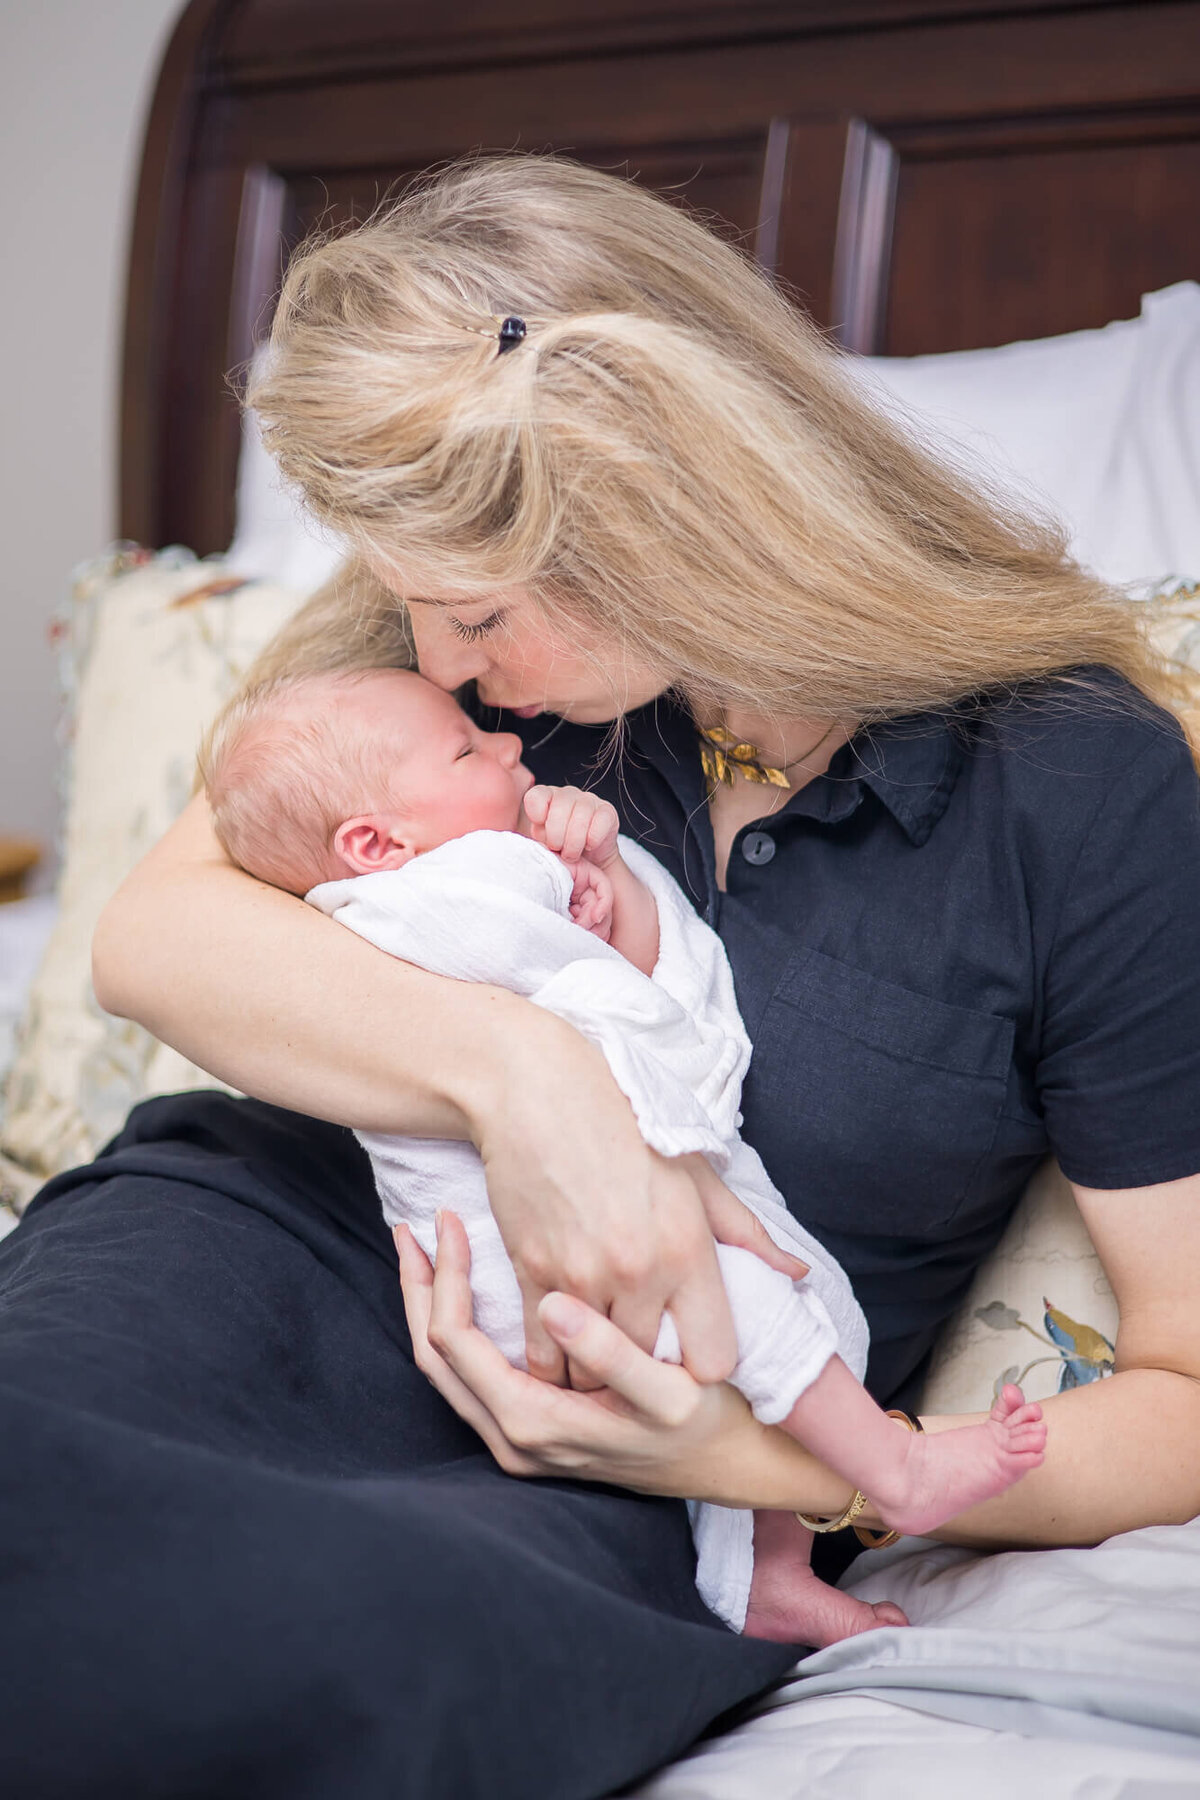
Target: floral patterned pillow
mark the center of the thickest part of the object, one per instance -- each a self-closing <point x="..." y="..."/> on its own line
<point x="152" y="646"/>
<point x="1040" y="1311"/>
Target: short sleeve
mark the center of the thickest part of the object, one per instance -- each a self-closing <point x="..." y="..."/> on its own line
<point x="1119" y="1067"/>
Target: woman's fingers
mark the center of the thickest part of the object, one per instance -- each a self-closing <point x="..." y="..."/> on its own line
<point x="731" y="1222"/>
<point x="543" y="1357"/>
<point x="700" y="1308"/>
<point x="530" y="1427"/>
<point x="517" y="1409"/>
<point x="417" y="1284"/>
<point x="661" y="1391"/>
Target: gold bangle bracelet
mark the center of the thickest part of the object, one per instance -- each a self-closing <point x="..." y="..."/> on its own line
<point x="848" y="1517"/>
<point x="871" y="1539"/>
<point x="879" y="1540"/>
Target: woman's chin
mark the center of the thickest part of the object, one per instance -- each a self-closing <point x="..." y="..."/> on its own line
<point x="588" y="712"/>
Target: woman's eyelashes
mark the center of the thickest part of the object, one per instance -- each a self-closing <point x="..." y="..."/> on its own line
<point x="471" y="633"/>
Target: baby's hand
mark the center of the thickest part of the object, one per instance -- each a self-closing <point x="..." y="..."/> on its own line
<point x="592" y="900"/>
<point x="573" y="824"/>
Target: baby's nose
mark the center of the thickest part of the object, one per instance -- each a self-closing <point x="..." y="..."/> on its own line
<point x="510" y="747"/>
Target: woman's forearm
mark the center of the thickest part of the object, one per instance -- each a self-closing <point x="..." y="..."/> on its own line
<point x="1121" y="1453"/>
<point x="283" y="1003"/>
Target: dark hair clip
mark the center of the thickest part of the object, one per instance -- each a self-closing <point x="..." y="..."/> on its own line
<point x="511" y="333"/>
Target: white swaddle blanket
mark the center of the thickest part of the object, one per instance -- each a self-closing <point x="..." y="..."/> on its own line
<point x="495" y="907"/>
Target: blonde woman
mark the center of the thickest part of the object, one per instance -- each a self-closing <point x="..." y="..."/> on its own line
<point x="599" y="475"/>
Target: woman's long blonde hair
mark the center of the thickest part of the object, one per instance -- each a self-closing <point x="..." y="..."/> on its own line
<point x="675" y="455"/>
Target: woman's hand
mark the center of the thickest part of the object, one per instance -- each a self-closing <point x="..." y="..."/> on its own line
<point x="585" y="1207"/>
<point x="653" y="1428"/>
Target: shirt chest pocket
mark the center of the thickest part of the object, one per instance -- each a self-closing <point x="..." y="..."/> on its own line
<point x="873" y="1106"/>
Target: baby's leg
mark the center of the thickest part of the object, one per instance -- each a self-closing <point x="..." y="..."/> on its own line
<point x="916" y="1481"/>
<point x="789" y="1605"/>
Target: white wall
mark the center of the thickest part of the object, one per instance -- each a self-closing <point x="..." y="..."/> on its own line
<point x="75" y="83"/>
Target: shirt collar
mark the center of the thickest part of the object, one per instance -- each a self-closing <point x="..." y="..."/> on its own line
<point x="909" y="764"/>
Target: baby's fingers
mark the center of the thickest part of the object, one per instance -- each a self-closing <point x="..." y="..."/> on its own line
<point x="554" y="816"/>
<point x="575" y="829"/>
<point x="537" y="804"/>
<point x="602" y="831"/>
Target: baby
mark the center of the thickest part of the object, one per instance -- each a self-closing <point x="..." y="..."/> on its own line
<point x="378" y="799"/>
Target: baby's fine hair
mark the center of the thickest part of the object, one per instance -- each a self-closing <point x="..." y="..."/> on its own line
<point x="282" y="766"/>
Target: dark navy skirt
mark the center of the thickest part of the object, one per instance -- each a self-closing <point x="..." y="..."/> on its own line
<point x="246" y="1549"/>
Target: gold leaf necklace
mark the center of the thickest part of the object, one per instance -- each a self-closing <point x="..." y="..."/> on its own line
<point x="722" y="757"/>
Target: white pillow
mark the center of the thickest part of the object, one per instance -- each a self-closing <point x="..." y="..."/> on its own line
<point x="1104" y="425"/>
<point x="277" y="538"/>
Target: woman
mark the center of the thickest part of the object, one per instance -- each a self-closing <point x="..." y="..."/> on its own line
<point x="613" y="476"/>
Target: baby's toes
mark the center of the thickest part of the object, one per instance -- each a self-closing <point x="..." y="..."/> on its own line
<point x="1028" y="1455"/>
<point x="1008" y="1400"/>
<point x="888" y="1613"/>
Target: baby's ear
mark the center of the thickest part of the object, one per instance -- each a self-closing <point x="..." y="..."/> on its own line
<point x="369" y="845"/>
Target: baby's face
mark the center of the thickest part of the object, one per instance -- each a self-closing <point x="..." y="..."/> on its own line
<point x="451" y="777"/>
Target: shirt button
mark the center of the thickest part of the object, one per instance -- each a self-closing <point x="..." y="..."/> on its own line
<point x="757" y="848"/>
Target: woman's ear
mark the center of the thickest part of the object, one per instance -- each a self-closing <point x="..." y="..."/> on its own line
<point x="372" y="843"/>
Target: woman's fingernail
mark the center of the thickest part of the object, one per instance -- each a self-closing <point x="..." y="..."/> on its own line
<point x="437" y="1225"/>
<point x="561" y="1314"/>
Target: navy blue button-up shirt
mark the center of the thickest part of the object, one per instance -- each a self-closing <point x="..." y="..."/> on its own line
<point x="973" y="941"/>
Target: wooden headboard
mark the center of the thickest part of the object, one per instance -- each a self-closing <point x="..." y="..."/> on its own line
<point x="927" y="174"/>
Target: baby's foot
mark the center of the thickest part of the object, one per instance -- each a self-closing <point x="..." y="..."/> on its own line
<point x="789" y="1605"/>
<point x="945" y="1472"/>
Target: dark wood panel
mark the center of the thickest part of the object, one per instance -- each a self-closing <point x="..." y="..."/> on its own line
<point x="1014" y="254"/>
<point x="292" y="40"/>
<point x="153" y="270"/>
<point x="972" y="70"/>
<point x="808" y="206"/>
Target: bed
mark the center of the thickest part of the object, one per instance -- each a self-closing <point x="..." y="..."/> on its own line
<point x="933" y="180"/>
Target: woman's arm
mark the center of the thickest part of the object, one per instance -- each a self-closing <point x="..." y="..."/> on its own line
<point x="274" y="998"/>
<point x="287" y="1005"/>
<point x="1125" y="1451"/>
<point x="1121" y="1453"/>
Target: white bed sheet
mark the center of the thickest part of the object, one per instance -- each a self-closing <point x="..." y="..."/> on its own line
<point x="1065" y="1673"/>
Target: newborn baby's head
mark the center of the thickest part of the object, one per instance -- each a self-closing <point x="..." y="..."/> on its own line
<point x="324" y="776"/>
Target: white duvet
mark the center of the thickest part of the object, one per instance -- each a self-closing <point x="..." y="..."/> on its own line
<point x="1030" y="1675"/>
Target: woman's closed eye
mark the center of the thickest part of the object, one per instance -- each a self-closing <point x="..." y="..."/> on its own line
<point x="473" y="632"/>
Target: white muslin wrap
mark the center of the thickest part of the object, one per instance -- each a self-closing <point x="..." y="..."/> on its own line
<point x="495" y="907"/>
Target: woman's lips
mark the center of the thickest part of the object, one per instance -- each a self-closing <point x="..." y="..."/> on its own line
<point x="522" y="712"/>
